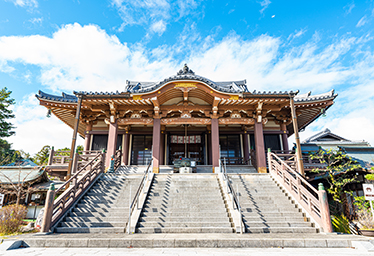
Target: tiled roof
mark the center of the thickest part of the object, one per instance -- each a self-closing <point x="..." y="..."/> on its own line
<point x="307" y="97"/>
<point x="64" y="98"/>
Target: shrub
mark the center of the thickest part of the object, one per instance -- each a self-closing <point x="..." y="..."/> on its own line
<point x="340" y="224"/>
<point x="11" y="218"/>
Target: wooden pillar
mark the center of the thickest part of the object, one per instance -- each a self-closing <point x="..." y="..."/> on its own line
<point x="246" y="147"/>
<point x="125" y="150"/>
<point x="260" y="148"/>
<point x="162" y="148"/>
<point x="299" y="157"/>
<point x="74" y="139"/>
<point x="112" y="142"/>
<point x="215" y="144"/>
<point x="156" y="145"/>
<point x="87" y="137"/>
<point x="284" y="136"/>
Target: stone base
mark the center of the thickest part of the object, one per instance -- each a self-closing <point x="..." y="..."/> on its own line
<point x="185" y="170"/>
<point x="262" y="170"/>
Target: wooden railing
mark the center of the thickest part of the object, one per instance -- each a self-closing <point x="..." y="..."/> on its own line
<point x="253" y="158"/>
<point x="76" y="186"/>
<point x="312" y="200"/>
<point x="62" y="157"/>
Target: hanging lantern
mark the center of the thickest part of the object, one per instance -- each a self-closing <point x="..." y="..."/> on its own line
<point x="323" y="112"/>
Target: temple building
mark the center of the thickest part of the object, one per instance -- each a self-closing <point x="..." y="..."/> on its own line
<point x="187" y="115"/>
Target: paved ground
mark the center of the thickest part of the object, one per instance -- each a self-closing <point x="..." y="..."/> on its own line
<point x="185" y="251"/>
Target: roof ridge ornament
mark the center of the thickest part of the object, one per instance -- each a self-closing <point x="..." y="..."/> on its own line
<point x="185" y="71"/>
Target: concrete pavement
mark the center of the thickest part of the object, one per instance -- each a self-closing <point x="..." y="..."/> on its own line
<point x="187" y="251"/>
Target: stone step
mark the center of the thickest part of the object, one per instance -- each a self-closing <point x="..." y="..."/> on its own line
<point x="96" y="219"/>
<point x="185" y="230"/>
<point x="112" y="230"/>
<point x="182" y="214"/>
<point x="175" y="219"/>
<point x="282" y="230"/>
<point x="183" y="224"/>
<point x="93" y="224"/>
<point x="276" y="224"/>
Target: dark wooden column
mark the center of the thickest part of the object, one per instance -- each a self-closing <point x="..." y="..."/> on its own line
<point x="284" y="136"/>
<point x="112" y="142"/>
<point x="87" y="137"/>
<point x="260" y="148"/>
<point x="125" y="150"/>
<point x="215" y="143"/>
<point x="245" y="147"/>
<point x="162" y="148"/>
<point x="156" y="145"/>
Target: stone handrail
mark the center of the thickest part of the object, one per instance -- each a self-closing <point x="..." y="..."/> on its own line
<point x="231" y="192"/>
<point x="135" y="202"/>
<point x="75" y="187"/>
<point x="313" y="201"/>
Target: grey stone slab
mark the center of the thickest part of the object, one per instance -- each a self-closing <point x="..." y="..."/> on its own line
<point x="334" y="243"/>
<point x="271" y="243"/>
<point x="314" y="243"/>
<point x="77" y="242"/>
<point x="294" y="243"/>
<point x="206" y="243"/>
<point x="229" y="243"/>
<point x="36" y="243"/>
<point x="56" y="242"/>
<point x="120" y="243"/>
<point x="141" y="243"/>
<point x="99" y="242"/>
<point x="163" y="243"/>
<point x="185" y="243"/>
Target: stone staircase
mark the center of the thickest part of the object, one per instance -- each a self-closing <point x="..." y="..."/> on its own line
<point x="185" y="203"/>
<point x="104" y="208"/>
<point x="266" y="208"/>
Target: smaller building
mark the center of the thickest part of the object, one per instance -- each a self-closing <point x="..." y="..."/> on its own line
<point x="33" y="183"/>
<point x="359" y="151"/>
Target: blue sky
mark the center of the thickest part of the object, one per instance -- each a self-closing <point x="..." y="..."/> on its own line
<point x="65" y="45"/>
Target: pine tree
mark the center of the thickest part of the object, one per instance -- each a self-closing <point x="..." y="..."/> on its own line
<point x="6" y="113"/>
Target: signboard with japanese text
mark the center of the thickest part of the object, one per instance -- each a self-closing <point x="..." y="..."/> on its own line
<point x="368" y="191"/>
<point x="1" y="200"/>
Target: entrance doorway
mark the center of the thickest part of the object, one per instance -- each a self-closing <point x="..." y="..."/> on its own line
<point x="191" y="146"/>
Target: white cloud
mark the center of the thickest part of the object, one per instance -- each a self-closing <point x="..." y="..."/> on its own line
<point x="25" y="3"/>
<point x="348" y="8"/>
<point x="154" y="14"/>
<point x="158" y="27"/>
<point x="362" y="22"/>
<point x="36" y="20"/>
<point x="87" y="58"/>
<point x="265" y="4"/>
<point x="34" y="130"/>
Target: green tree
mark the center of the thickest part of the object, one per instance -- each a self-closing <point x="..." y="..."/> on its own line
<point x="340" y="170"/>
<point x="41" y="158"/>
<point x="6" y="113"/>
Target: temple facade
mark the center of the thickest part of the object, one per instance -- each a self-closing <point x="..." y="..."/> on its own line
<point x="187" y="115"/>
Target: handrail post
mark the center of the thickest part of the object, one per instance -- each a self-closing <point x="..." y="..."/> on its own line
<point x="129" y="222"/>
<point x="269" y="160"/>
<point x="48" y="209"/>
<point x="51" y="153"/>
<point x="325" y="210"/>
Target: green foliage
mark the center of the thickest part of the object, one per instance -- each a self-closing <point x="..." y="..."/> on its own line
<point x="370" y="176"/>
<point x="361" y="203"/>
<point x="11" y="218"/>
<point x="340" y="224"/>
<point x="5" y="113"/>
<point x="340" y="171"/>
<point x="41" y="158"/>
